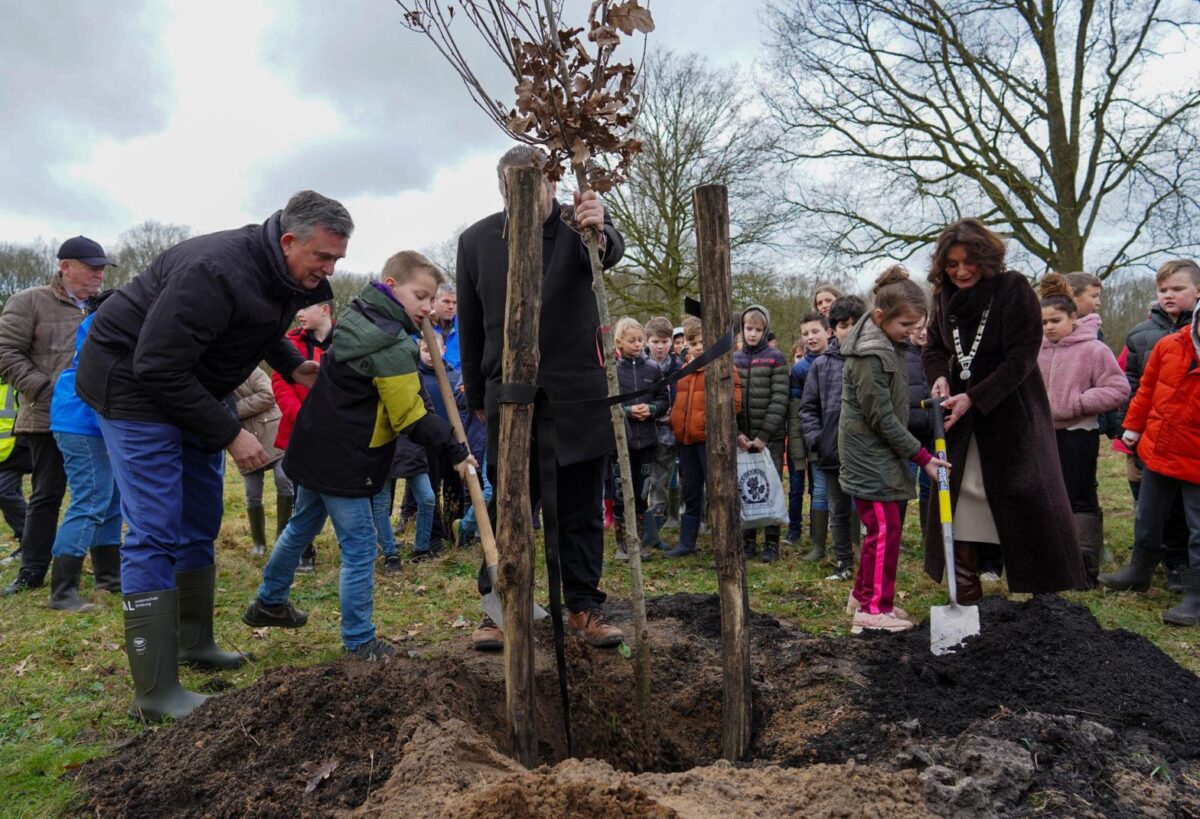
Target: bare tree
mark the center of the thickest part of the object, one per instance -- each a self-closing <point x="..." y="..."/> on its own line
<point x="26" y="265"/>
<point x="142" y="244"/>
<point x="696" y="127"/>
<point x="1056" y="122"/>
<point x="445" y="253"/>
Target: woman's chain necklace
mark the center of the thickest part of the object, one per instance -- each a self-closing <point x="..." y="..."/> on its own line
<point x="966" y="359"/>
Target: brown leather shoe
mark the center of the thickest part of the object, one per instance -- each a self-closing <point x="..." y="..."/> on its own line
<point x="596" y="630"/>
<point x="488" y="636"/>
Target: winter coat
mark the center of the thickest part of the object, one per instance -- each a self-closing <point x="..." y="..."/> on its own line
<point x="429" y="382"/>
<point x="687" y="413"/>
<point x="874" y="444"/>
<point x="634" y="374"/>
<point x="1166" y="408"/>
<point x="920" y="422"/>
<point x="570" y="366"/>
<point x="451" y="354"/>
<point x="821" y="407"/>
<point x="367" y="393"/>
<point x="288" y="394"/>
<point x="68" y="413"/>
<point x="258" y="413"/>
<point x="1010" y="420"/>
<point x="411" y="459"/>
<point x="1082" y="376"/>
<point x="765" y="380"/>
<point x="37" y="342"/>
<point x="168" y="346"/>
<point x="1141" y="342"/>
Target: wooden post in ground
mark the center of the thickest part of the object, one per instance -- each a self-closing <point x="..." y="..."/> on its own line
<point x="716" y="296"/>
<point x="514" y="532"/>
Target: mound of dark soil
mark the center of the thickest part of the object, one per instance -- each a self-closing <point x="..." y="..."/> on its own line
<point x="1044" y="713"/>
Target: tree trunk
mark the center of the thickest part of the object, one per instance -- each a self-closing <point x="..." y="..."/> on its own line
<point x="716" y="296"/>
<point x="617" y="415"/>
<point x="514" y="533"/>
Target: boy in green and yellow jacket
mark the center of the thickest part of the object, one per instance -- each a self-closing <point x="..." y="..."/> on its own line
<point x="368" y="393"/>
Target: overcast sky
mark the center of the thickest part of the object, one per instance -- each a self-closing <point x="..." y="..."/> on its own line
<point x="210" y="114"/>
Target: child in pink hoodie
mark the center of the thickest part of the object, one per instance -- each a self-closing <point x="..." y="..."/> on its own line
<point x="1083" y="380"/>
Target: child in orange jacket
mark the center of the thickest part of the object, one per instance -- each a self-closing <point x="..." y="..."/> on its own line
<point x="687" y="422"/>
<point x="1163" y="425"/>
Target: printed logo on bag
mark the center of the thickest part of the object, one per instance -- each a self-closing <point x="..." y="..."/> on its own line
<point x="139" y="645"/>
<point x="126" y="605"/>
<point x="753" y="486"/>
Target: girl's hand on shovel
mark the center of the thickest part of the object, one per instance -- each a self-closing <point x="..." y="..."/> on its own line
<point x="931" y="468"/>
<point x="463" y="467"/>
<point x="958" y="406"/>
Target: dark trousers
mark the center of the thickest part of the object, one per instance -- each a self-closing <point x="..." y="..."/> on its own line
<point x="1175" y="528"/>
<point x="693" y="473"/>
<point x="841" y="517"/>
<point x="1158" y="494"/>
<point x="12" y="501"/>
<point x="580" y="528"/>
<point x="641" y="462"/>
<point x="1078" y="450"/>
<point x="45" y="501"/>
<point x="795" y="497"/>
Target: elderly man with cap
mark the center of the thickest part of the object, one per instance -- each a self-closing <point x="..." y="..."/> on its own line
<point x="162" y="354"/>
<point x="37" y="342"/>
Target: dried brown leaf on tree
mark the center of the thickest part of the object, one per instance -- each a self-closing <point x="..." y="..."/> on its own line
<point x="630" y="17"/>
<point x="604" y="36"/>
<point x="314" y="773"/>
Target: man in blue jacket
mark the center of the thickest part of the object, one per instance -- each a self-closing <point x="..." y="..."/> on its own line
<point x="162" y="354"/>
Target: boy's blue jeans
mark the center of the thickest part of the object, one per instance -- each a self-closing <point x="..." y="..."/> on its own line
<point x="354" y="524"/>
<point x="171" y="499"/>
<point x="469" y="527"/>
<point x="820" y="497"/>
<point x="93" y="517"/>
<point x="795" y="497"/>
<point x="381" y="510"/>
<point x="422" y="491"/>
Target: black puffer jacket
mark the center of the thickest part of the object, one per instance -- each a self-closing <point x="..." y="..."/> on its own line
<point x="765" y="381"/>
<point x="1141" y="341"/>
<point x="821" y="407"/>
<point x="634" y="374"/>
<point x="168" y="346"/>
<point x="920" y="422"/>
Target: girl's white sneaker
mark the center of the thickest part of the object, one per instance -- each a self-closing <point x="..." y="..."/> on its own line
<point x="884" y="621"/>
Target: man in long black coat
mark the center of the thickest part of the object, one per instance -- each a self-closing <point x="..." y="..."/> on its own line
<point x="571" y="368"/>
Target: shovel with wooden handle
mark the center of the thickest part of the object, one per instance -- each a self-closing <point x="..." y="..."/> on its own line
<point x="491" y="603"/>
<point x="948" y="625"/>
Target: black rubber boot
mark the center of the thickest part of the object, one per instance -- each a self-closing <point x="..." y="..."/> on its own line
<point x="689" y="530"/>
<point x="106" y="568"/>
<point x="152" y="646"/>
<point x="1187" y="613"/>
<point x="818" y="530"/>
<point x="196" y="646"/>
<point x="258" y="530"/>
<point x="770" y="552"/>
<point x="1089" y="530"/>
<point x="1136" y="576"/>
<point x="64" y="585"/>
<point x="283" y="513"/>
<point x="672" y="523"/>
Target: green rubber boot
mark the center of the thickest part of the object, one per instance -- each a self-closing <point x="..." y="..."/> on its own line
<point x="196" y="646"/>
<point x="258" y="530"/>
<point x="818" y="528"/>
<point x="152" y="646"/>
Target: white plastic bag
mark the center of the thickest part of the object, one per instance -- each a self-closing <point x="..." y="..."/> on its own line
<point x="761" y="491"/>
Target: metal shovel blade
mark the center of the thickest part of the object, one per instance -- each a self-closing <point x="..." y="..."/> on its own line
<point x="950" y="625"/>
<point x="492" y="607"/>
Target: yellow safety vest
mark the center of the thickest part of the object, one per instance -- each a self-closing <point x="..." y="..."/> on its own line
<point x="8" y="417"/>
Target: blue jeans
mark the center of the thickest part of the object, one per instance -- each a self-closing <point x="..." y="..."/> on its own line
<point x="469" y="527"/>
<point x="354" y="523"/>
<point x="422" y="490"/>
<point x="171" y="499"/>
<point x="820" y="497"/>
<point x="795" y="497"/>
<point x="93" y="516"/>
<point x="381" y="509"/>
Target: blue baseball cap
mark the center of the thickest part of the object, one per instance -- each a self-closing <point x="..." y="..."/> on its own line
<point x="85" y="250"/>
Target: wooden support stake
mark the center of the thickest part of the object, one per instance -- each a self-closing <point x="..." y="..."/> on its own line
<point x="514" y="532"/>
<point x="716" y="295"/>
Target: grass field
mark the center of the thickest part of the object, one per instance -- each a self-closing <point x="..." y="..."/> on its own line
<point x="64" y="683"/>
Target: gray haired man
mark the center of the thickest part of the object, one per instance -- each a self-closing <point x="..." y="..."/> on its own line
<point x="162" y="353"/>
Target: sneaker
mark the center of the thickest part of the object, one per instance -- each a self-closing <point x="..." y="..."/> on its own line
<point x="885" y="621"/>
<point x="392" y="564"/>
<point x="308" y="560"/>
<point x="854" y="607"/>
<point x="487" y="636"/>
<point x="1175" y="580"/>
<point x="422" y="555"/>
<point x="620" y="553"/>
<point x="841" y="571"/>
<point x="662" y="545"/>
<point x="770" y="553"/>
<point x="281" y="615"/>
<point x="595" y="628"/>
<point x="989" y="577"/>
<point x="375" y="651"/>
<point x="23" y="582"/>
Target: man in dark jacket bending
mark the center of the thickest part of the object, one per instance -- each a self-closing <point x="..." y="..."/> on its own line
<point x="570" y="369"/>
<point x="162" y="354"/>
